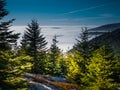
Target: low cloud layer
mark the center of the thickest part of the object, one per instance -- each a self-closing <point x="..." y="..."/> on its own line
<point x="66" y="35"/>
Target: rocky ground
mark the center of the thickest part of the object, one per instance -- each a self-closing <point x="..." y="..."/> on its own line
<point x="44" y="82"/>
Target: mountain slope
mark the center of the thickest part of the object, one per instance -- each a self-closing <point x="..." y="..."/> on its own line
<point x="112" y="38"/>
<point x="104" y="28"/>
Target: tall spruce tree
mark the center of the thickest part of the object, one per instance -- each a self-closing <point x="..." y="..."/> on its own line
<point x="55" y="51"/>
<point x="35" y="42"/>
<point x="82" y="47"/>
<point x="7" y="39"/>
<point x="82" y="43"/>
<point x="6" y="35"/>
<point x="54" y="68"/>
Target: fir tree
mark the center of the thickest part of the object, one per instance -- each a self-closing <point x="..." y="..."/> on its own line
<point x="100" y="68"/>
<point x="35" y="42"/>
<point x="54" y="68"/>
<point x="12" y="69"/>
<point x="75" y="64"/>
<point x="54" y="50"/>
<point x="7" y="38"/>
<point x="82" y="47"/>
<point x="82" y="43"/>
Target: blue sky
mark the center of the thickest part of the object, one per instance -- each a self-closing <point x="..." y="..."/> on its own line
<point x="64" y="12"/>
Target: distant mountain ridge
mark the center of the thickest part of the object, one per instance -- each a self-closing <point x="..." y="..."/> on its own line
<point x="105" y="34"/>
<point x="112" y="38"/>
<point x="104" y="28"/>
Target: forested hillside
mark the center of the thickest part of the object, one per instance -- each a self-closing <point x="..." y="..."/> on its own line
<point x="111" y="38"/>
<point x="90" y="65"/>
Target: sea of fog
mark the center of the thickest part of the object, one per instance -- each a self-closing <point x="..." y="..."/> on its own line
<point x="66" y="35"/>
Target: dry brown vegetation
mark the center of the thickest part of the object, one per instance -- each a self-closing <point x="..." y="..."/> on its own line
<point x="61" y="85"/>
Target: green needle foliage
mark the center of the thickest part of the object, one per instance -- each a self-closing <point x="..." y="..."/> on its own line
<point x="7" y="38"/>
<point x="12" y="69"/>
<point x="34" y="42"/>
<point x="55" y="63"/>
<point x="99" y="70"/>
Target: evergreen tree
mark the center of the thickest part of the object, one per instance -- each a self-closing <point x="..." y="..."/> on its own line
<point x="100" y="70"/>
<point x="6" y="36"/>
<point x="82" y="47"/>
<point x="82" y="43"/>
<point x="116" y="73"/>
<point x="3" y="12"/>
<point x="54" y="50"/>
<point x="75" y="64"/>
<point x="12" y="69"/>
<point x="35" y="42"/>
<point x="54" y="67"/>
<point x="79" y="57"/>
<point x="24" y="41"/>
